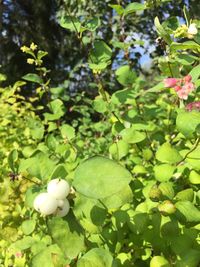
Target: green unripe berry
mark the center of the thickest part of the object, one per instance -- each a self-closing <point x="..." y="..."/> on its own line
<point x="167" y="208"/>
<point x="155" y="193"/>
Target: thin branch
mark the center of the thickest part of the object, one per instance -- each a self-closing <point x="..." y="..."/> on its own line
<point x="189" y="152"/>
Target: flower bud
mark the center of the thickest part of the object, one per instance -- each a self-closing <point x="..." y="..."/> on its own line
<point x="170" y="82"/>
<point x="192" y="29"/>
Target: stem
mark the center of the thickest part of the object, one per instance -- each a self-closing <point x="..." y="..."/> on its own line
<point x="189" y="152"/>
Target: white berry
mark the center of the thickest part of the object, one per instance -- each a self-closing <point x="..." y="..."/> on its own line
<point x="45" y="204"/>
<point x="63" y="211"/>
<point x="58" y="188"/>
<point x="60" y="203"/>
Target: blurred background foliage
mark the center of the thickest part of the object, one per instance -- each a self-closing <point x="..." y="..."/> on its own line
<point x="23" y="22"/>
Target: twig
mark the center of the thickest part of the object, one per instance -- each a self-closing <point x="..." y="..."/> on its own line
<point x="189" y="152"/>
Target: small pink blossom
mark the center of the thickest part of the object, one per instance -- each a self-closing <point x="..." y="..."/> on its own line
<point x="170" y="82"/>
<point x="193" y="106"/>
<point x="177" y="88"/>
<point x="18" y="254"/>
<point x="182" y="94"/>
<point x="183" y="86"/>
<point x="187" y="78"/>
<point x="188" y="87"/>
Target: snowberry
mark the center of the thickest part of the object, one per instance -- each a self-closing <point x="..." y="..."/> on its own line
<point x="45" y="204"/>
<point x="58" y="188"/>
<point x="60" y="203"/>
<point x="63" y="211"/>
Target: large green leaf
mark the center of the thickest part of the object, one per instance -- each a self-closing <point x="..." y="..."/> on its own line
<point x="187" y="122"/>
<point x="67" y="235"/>
<point x="99" y="177"/>
<point x="187" y="211"/>
<point x="36" y="128"/>
<point x="131" y="136"/>
<point x="96" y="257"/>
<point x="167" y="154"/>
<point x="70" y="23"/>
<point x="195" y="73"/>
<point x="125" y="75"/>
<point x="39" y="166"/>
<point x="49" y="257"/>
<point x="163" y="172"/>
<point x="100" y="54"/>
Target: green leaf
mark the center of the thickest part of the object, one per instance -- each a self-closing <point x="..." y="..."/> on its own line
<point x="23" y="244"/>
<point x="100" y="54"/>
<point x="118" y="8"/>
<point x="186" y="59"/>
<point x="184" y="46"/>
<point x="57" y="108"/>
<point x="195" y="73"/>
<point x="99" y="177"/>
<point x="123" y="96"/>
<point x="133" y="7"/>
<point x="36" y="128"/>
<point x="49" y="257"/>
<point x="100" y="105"/>
<point x="31" y="193"/>
<point x="67" y="132"/>
<point x="119" y="199"/>
<point x="125" y="75"/>
<point x="59" y="172"/>
<point x="39" y="166"/>
<point x="190" y="258"/>
<point x="41" y="54"/>
<point x="187" y="122"/>
<point x="70" y="23"/>
<point x="167" y="189"/>
<point x="194" y="177"/>
<point x="167" y="154"/>
<point x="32" y="77"/>
<point x="12" y="158"/>
<point x="67" y="235"/>
<point x="92" y="24"/>
<point x="187" y="194"/>
<point x="96" y="257"/>
<point x="119" y="150"/>
<point x="2" y="77"/>
<point x="131" y="136"/>
<point x="163" y="172"/>
<point x="188" y="211"/>
<point x="193" y="159"/>
<point x="161" y="31"/>
<point x="28" y="226"/>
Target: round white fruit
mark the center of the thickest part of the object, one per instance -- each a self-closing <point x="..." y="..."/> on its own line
<point x="63" y="211"/>
<point x="60" y="203"/>
<point x="45" y="204"/>
<point x="58" y="188"/>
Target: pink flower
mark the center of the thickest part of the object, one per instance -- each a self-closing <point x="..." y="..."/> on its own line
<point x="187" y="78"/>
<point x="170" y="82"/>
<point x="177" y="88"/>
<point x="182" y="94"/>
<point x="188" y="87"/>
<point x="193" y="106"/>
<point x="183" y="87"/>
<point x="18" y="254"/>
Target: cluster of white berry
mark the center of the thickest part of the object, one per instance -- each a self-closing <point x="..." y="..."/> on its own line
<point x="54" y="201"/>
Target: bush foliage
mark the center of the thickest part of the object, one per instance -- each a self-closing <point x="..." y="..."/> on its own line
<point x="131" y="156"/>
